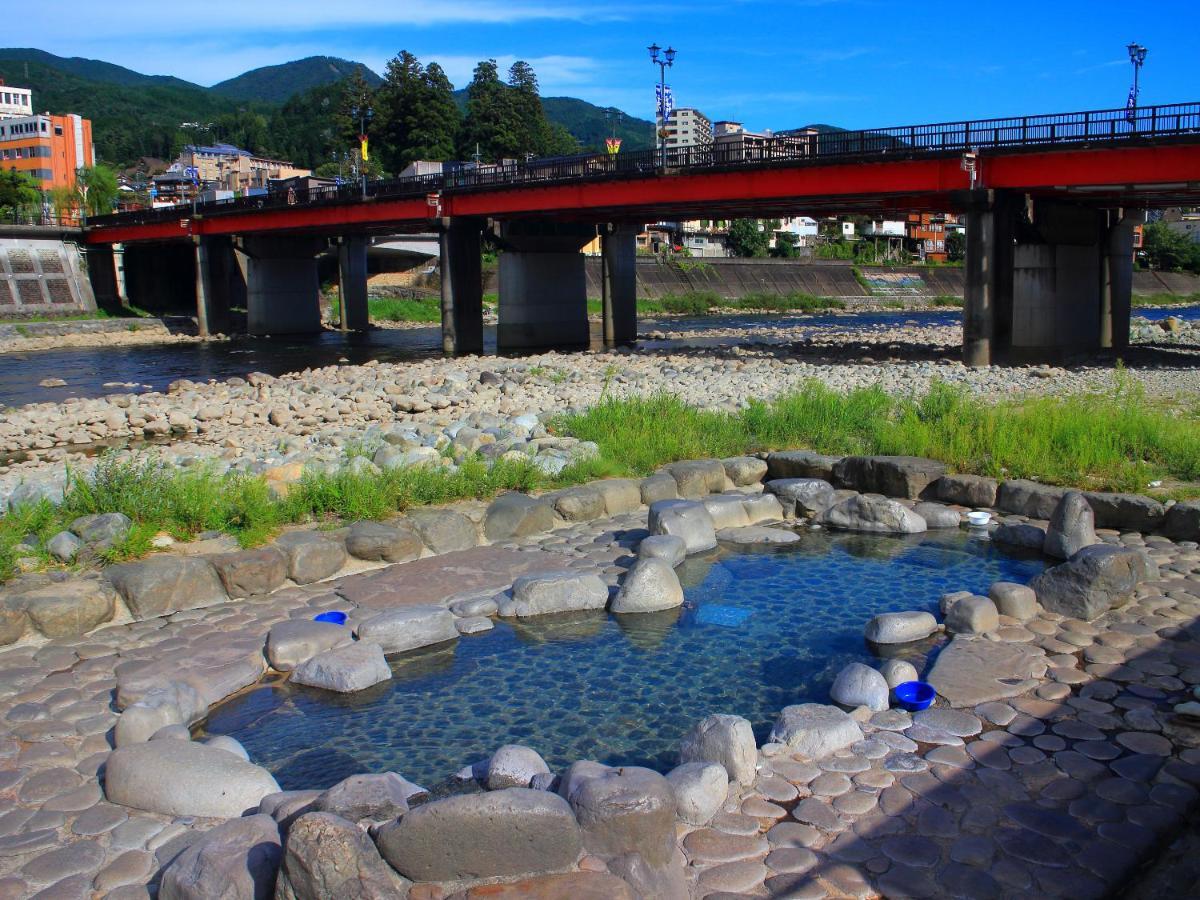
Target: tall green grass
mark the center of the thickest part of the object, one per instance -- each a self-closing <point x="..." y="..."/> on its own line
<point x="701" y="303"/>
<point x="1165" y="299"/>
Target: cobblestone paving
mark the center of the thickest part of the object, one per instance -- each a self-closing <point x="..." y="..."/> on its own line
<point x="1061" y="792"/>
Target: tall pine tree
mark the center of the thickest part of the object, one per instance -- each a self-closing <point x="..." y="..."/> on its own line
<point x="417" y="115"/>
<point x="490" y="126"/>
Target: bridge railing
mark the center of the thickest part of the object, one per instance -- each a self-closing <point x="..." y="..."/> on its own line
<point x="1096" y="127"/>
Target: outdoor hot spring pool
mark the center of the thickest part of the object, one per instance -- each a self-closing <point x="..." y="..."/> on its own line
<point x="758" y="631"/>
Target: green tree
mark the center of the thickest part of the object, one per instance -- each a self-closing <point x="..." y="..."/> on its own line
<point x="97" y="189"/>
<point x="417" y="116"/>
<point x="750" y="237"/>
<point x="17" y="191"/>
<point x="490" y="124"/>
<point x="956" y="246"/>
<point x="785" y="246"/>
<point x="1169" y="250"/>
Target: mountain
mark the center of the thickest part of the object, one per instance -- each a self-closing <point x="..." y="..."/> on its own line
<point x="276" y="84"/>
<point x="91" y="69"/>
<point x="589" y="123"/>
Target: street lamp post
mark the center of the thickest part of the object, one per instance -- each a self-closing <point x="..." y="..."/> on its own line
<point x="364" y="116"/>
<point x="665" y="61"/>
<point x="1137" y="56"/>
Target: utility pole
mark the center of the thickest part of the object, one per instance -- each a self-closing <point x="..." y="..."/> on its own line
<point x="1137" y="56"/>
<point x="665" y="62"/>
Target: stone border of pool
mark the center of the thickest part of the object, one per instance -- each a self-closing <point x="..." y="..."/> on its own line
<point x="58" y="719"/>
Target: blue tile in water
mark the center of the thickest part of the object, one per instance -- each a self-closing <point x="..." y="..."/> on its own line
<point x="725" y="616"/>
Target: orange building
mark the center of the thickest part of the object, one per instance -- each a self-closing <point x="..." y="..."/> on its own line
<point x="50" y="149"/>
<point x="928" y="231"/>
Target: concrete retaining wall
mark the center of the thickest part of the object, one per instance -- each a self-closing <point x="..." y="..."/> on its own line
<point x="42" y="277"/>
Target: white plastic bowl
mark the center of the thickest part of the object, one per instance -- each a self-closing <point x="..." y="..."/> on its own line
<point x="978" y="518"/>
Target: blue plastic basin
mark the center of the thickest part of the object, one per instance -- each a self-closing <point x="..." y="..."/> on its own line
<point x="337" y="618"/>
<point x="914" y="695"/>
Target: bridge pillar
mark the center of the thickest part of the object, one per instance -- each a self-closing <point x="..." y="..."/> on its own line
<point x="543" y="286"/>
<point x="618" y="283"/>
<point x="987" y="307"/>
<point x="1117" y="296"/>
<point x="102" y="273"/>
<point x="282" y="290"/>
<point x="352" y="283"/>
<point x="219" y="283"/>
<point x="462" y="286"/>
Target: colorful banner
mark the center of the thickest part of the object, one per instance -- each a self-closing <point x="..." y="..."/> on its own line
<point x="613" y="145"/>
<point x="363" y="138"/>
<point x="664" y="101"/>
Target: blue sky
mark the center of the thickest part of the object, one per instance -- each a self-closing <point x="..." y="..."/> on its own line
<point x="769" y="63"/>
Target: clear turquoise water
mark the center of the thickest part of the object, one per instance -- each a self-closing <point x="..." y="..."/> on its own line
<point x="759" y="631"/>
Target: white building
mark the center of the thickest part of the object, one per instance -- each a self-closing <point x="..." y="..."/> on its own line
<point x="803" y="228"/>
<point x="688" y="127"/>
<point x="886" y="228"/>
<point x="15" y="103"/>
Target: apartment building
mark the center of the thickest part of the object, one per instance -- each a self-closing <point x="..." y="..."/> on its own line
<point x="687" y="127"/>
<point x="221" y="167"/>
<point x="49" y="149"/>
<point x="15" y="102"/>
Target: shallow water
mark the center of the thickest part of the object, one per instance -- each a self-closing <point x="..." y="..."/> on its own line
<point x="759" y="631"/>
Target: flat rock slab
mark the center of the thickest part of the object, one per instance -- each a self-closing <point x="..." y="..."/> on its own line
<point x="437" y="578"/>
<point x="971" y="671"/>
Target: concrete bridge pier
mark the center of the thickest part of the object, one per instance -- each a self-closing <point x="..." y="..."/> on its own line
<point x="618" y="283"/>
<point x="282" y="289"/>
<point x="107" y="287"/>
<point x="543" y="286"/>
<point x="462" y="286"/>
<point x="220" y="283"/>
<point x="352" y="283"/>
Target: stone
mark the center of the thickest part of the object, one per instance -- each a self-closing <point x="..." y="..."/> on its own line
<point x="182" y="778"/>
<point x="579" y="504"/>
<point x="977" y="491"/>
<point x="860" y="685"/>
<point x="250" y="572"/>
<point x="728" y="511"/>
<point x="892" y="476"/>
<point x="326" y="856"/>
<point x="658" y="487"/>
<point x="1017" y="601"/>
<point x="444" y="530"/>
<point x="297" y="641"/>
<point x="744" y="470"/>
<point x="369" y="798"/>
<point x="802" y="496"/>
<point x="627" y="810"/>
<point x="380" y="542"/>
<point x="686" y="519"/>
<point x="726" y="740"/>
<point x="1091" y="582"/>
<point x="344" y="670"/>
<point x="762" y="508"/>
<point x="516" y="515"/>
<point x="102" y="530"/>
<point x="473" y="625"/>
<point x="668" y="547"/>
<point x="1028" y="498"/>
<point x="953" y="721"/>
<point x="815" y="730"/>
<point x="650" y="585"/>
<point x="937" y="515"/>
<point x="1126" y="512"/>
<point x="697" y="477"/>
<point x="577" y="773"/>
<point x="897" y="671"/>
<point x="408" y="628"/>
<point x="752" y="535"/>
<point x="700" y="789"/>
<point x="554" y="592"/>
<point x="800" y="464"/>
<point x="69" y="608"/>
<point x="1020" y="534"/>
<point x="970" y="671"/>
<point x="311" y="556"/>
<point x="238" y="860"/>
<point x="561" y="886"/>
<point x="1071" y="527"/>
<point x="873" y="514"/>
<point x="513" y="766"/>
<point x="1182" y="521"/>
<point x="972" y="615"/>
<point x="515" y="831"/>
<point x="64" y="547"/>
<point x="142" y="720"/>
<point x="621" y="495"/>
<point x="900" y="627"/>
<point x="161" y="585"/>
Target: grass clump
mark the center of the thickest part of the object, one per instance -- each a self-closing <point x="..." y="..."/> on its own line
<point x="394" y="309"/>
<point x="1165" y="299"/>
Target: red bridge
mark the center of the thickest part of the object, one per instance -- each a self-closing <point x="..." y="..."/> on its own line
<point x="1051" y="206"/>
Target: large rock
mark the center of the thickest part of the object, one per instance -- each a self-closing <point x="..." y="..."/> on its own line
<point x="892" y="476"/>
<point x="582" y="885"/>
<point x="727" y="510"/>
<point x="369" y="798"/>
<point x="627" y="810"/>
<point x="726" y="740"/>
<point x="1126" y="512"/>
<point x="898" y="671"/>
<point x="183" y="778"/>
<point x="311" y="556"/>
<point x="102" y="530"/>
<point x="802" y="496"/>
<point x="326" y="857"/>
<point x="165" y="584"/>
<point x="380" y="542"/>
<point x="801" y="464"/>
<point x="900" y="627"/>
<point x="580" y="504"/>
<point x="250" y="572"/>
<point x="354" y="667"/>
<point x="515" y="515"/>
<point x="1028" y="498"/>
<point x="69" y="608"/>
<point x="669" y="548"/>
<point x="237" y="860"/>
<point x="409" y="627"/>
<point x="64" y="547"/>
<point x="972" y="615"/>
<point x="698" y="477"/>
<point x="744" y="471"/>
<point x="700" y="789"/>
<point x="1017" y="601"/>
<point x="858" y="685"/>
<point x="686" y="519"/>
<point x="757" y="535"/>
<point x="660" y="486"/>
<point x="938" y="515"/>
<point x="296" y="641"/>
<point x="650" y="585"/>
<point x="140" y="721"/>
<point x="815" y="730"/>
<point x="577" y="773"/>
<point x="1182" y="521"/>
<point x="444" y="530"/>
<point x="872" y="513"/>
<point x="1071" y="527"/>
<point x="1094" y="580"/>
<point x="516" y="831"/>
<point x="1020" y="534"/>
<point x="972" y="670"/>
<point x="967" y="490"/>
<point x="555" y="592"/>
<point x="762" y="508"/>
<point x="621" y="495"/>
<point x="514" y="766"/>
